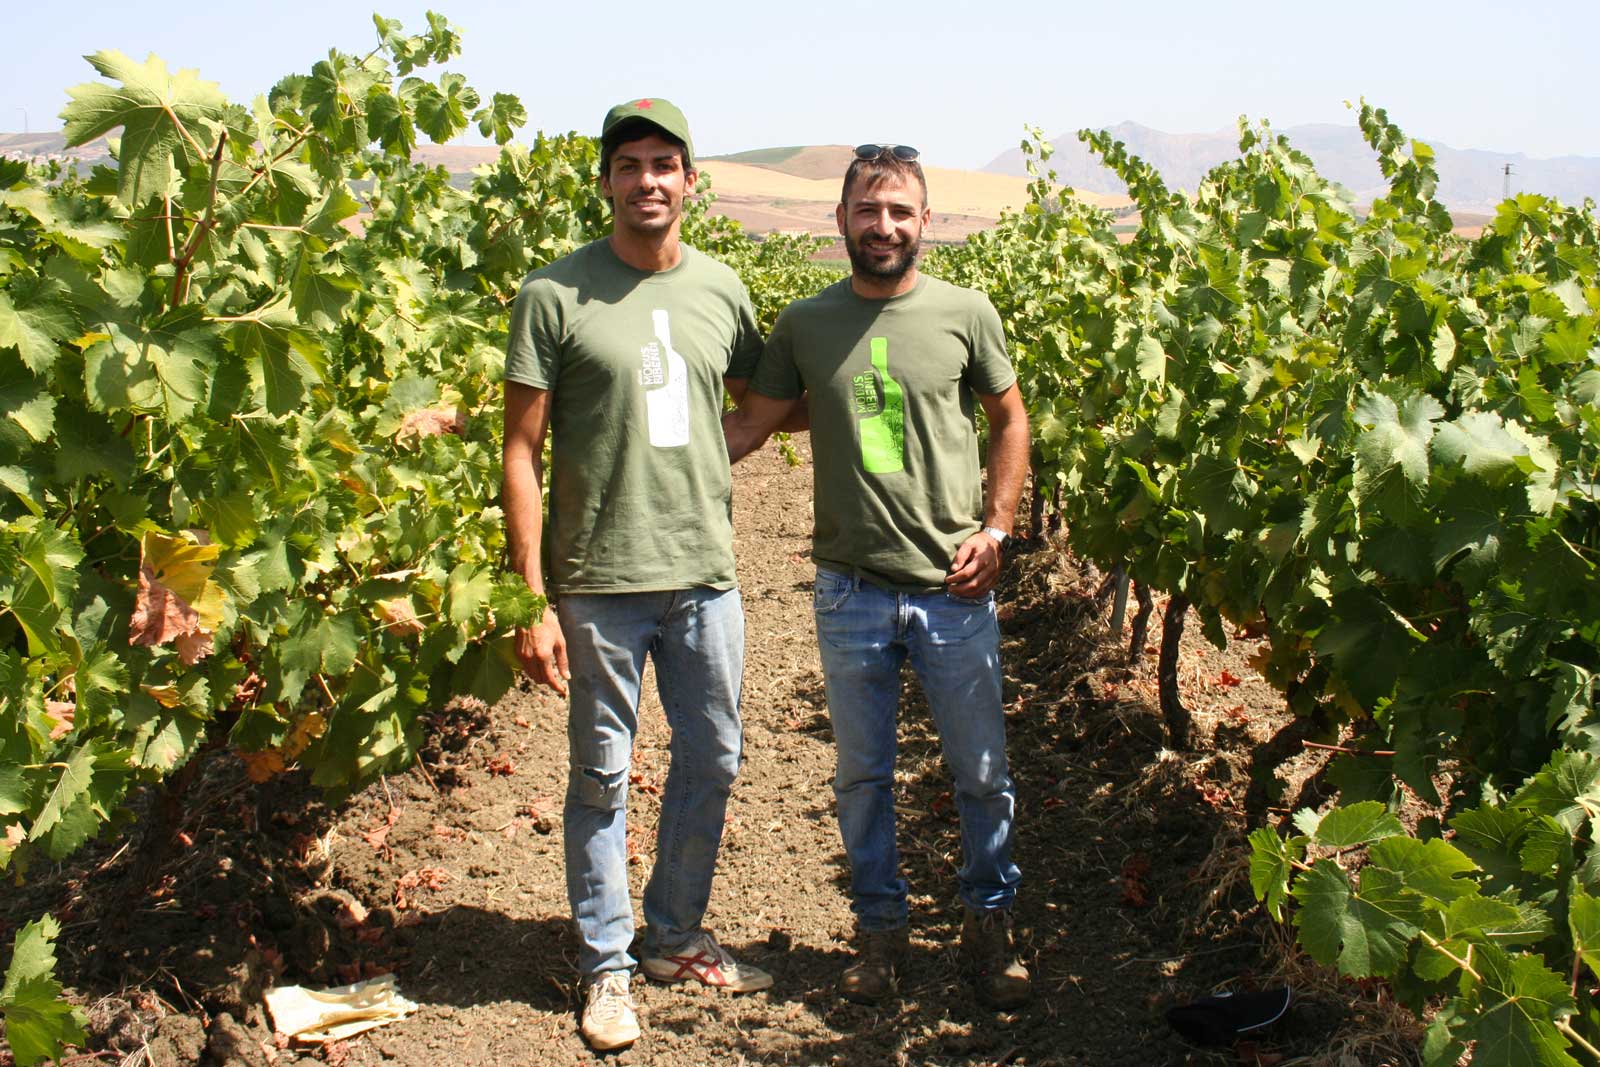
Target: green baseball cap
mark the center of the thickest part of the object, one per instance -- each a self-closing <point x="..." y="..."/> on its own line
<point x="657" y="112"/>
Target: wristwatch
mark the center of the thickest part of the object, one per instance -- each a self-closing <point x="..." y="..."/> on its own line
<point x="1000" y="536"/>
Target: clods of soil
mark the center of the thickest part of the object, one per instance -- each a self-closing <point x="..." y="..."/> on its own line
<point x="1135" y="891"/>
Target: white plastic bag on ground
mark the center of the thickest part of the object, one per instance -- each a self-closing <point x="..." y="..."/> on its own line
<point x="316" y="1016"/>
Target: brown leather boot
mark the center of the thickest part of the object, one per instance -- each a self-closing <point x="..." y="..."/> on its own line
<point x="874" y="976"/>
<point x="1002" y="981"/>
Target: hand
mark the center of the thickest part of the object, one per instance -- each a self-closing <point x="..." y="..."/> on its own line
<point x="976" y="568"/>
<point x="543" y="652"/>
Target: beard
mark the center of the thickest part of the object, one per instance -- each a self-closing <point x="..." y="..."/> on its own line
<point x="891" y="268"/>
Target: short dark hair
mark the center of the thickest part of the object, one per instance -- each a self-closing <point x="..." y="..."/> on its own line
<point x="636" y="129"/>
<point x="885" y="167"/>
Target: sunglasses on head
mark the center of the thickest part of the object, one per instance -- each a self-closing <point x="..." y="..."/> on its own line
<point x="903" y="152"/>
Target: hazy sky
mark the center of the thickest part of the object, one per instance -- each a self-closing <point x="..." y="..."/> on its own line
<point x="958" y="80"/>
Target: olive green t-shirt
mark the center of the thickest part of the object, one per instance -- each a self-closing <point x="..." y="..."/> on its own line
<point x="639" y="487"/>
<point x="890" y="385"/>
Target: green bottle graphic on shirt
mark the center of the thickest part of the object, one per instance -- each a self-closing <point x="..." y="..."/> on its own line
<point x="883" y="430"/>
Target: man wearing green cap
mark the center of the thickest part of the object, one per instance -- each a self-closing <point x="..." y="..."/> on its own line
<point x="621" y="351"/>
<point x="908" y="546"/>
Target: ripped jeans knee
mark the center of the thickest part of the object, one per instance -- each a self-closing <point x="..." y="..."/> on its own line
<point x="595" y="787"/>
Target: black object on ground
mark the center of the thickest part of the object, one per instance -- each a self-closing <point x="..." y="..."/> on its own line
<point x="1219" y="1019"/>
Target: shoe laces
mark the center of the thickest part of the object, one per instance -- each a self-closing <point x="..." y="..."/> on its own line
<point x="706" y="942"/>
<point x="609" y="995"/>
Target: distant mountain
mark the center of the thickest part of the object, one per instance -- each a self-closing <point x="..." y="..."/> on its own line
<point x="1469" y="179"/>
<point x="802" y="161"/>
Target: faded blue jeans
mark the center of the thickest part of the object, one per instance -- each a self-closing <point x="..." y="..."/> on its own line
<point x="865" y="633"/>
<point x="695" y="637"/>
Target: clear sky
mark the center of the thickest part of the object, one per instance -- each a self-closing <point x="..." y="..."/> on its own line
<point x="958" y="80"/>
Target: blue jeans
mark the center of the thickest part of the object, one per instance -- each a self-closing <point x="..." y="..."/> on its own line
<point x="695" y="637"/>
<point x="865" y="634"/>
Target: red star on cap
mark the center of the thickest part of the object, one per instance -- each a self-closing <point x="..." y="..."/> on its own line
<point x="644" y="104"/>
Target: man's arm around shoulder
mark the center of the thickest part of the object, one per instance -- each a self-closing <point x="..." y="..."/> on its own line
<point x="757" y="417"/>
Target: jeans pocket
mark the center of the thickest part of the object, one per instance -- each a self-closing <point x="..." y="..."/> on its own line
<point x="955" y="620"/>
<point x="830" y="593"/>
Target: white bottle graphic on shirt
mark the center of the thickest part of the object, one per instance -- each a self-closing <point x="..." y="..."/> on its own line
<point x="665" y="377"/>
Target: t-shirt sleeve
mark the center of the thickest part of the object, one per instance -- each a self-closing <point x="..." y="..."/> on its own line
<point x="989" y="370"/>
<point x="777" y="375"/>
<point x="747" y="344"/>
<point x="533" y="353"/>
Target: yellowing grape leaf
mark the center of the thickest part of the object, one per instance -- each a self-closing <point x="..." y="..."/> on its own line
<point x="177" y="597"/>
<point x="165" y="695"/>
<point x="398" y="615"/>
<point x="61" y="714"/>
<point x="305" y="731"/>
<point x="261" y="766"/>
<point x="194" y="647"/>
<point x="431" y="422"/>
<point x="160" y="616"/>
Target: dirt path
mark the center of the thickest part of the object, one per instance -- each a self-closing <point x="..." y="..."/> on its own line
<point x="1135" y="892"/>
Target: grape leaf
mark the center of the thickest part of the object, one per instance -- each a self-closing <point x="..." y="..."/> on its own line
<point x="16" y="794"/>
<point x="1221" y="489"/>
<point x="1583" y="922"/>
<point x="1431" y="868"/>
<point x="35" y="314"/>
<point x="1366" y="932"/>
<point x="1151" y="361"/>
<point x="468" y="592"/>
<point x="1495" y="920"/>
<point x="441" y="111"/>
<point x="1547" y="849"/>
<point x="38" y="1022"/>
<point x="175" y="584"/>
<point x="285" y="358"/>
<point x="70" y="788"/>
<point x="487" y="669"/>
<point x="1567" y="789"/>
<point x="1395" y="440"/>
<point x="1478" y="443"/>
<point x="1357" y="824"/>
<point x="501" y="119"/>
<point x="1512" y="1013"/>
<point x="514" y="604"/>
<point x="159" y="112"/>
<point x="1272" y="860"/>
<point x="24" y="402"/>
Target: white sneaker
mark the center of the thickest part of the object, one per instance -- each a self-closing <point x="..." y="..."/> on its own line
<point x="702" y="960"/>
<point x="608" y="1018"/>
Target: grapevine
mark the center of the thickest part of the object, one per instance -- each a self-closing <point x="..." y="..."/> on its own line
<point x="1373" y="444"/>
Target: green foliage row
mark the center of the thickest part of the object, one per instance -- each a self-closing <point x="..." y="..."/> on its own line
<point x="250" y="433"/>
<point x="1373" y="445"/>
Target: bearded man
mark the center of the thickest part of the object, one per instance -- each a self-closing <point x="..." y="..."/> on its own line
<point x="908" y="547"/>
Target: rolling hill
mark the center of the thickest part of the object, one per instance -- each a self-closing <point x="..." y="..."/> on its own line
<point x="797" y="187"/>
<point x="1470" y="180"/>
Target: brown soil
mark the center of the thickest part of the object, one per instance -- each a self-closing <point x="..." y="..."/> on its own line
<point x="1135" y="893"/>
